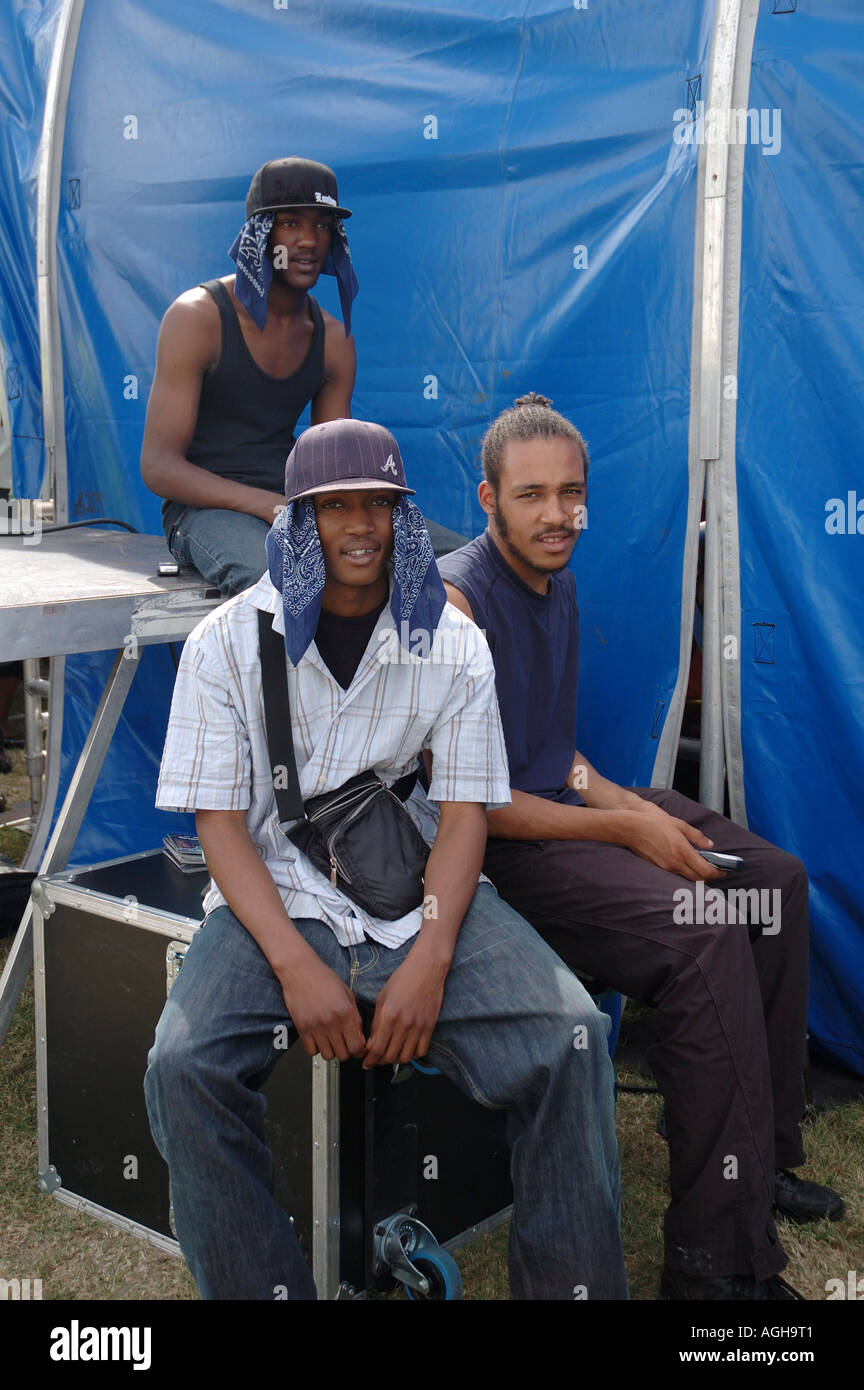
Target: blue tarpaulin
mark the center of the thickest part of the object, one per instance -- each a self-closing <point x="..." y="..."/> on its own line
<point x="800" y="478"/>
<point x="523" y="219"/>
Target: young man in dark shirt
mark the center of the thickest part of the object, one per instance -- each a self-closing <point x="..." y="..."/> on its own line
<point x="238" y="359"/>
<point x="599" y="870"/>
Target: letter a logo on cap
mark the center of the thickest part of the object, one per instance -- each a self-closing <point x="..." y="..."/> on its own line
<point x="389" y="466"/>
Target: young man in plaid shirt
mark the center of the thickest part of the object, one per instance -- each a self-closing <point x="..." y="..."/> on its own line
<point x="352" y="580"/>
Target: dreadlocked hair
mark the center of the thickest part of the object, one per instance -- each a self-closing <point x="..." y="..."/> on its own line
<point x="530" y="417"/>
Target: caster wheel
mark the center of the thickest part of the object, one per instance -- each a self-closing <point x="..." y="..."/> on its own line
<point x="441" y="1272"/>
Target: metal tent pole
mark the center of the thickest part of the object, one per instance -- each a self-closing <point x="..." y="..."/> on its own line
<point x="54" y="480"/>
<point x="724" y="175"/>
<point x="712" y="770"/>
<point x="703" y="445"/>
<point x="729" y="636"/>
<point x="713" y="392"/>
<point x="54" y="487"/>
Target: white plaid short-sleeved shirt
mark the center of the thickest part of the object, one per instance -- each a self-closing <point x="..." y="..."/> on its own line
<point x="399" y="702"/>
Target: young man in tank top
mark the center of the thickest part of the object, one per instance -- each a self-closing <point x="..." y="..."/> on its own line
<point x="599" y="871"/>
<point x="238" y="359"/>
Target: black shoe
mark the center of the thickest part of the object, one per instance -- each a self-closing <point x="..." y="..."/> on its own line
<point x="724" y="1287"/>
<point x="800" y="1201"/>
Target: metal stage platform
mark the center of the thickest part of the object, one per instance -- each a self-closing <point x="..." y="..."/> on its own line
<point x="84" y="590"/>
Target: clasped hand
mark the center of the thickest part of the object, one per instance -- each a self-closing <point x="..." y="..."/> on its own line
<point x="324" y="1011"/>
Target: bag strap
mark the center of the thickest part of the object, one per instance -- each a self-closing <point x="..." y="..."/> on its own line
<point x="277" y="720"/>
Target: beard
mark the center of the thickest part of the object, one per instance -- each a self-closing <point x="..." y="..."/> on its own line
<point x="504" y="532"/>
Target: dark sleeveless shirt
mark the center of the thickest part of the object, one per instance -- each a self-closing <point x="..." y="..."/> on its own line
<point x="246" y="418"/>
<point x="534" y="640"/>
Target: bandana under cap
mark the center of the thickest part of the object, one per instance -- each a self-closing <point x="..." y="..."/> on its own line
<point x="295" y="560"/>
<point x="255" y="267"/>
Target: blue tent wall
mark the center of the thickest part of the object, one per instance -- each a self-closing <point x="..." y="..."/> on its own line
<point x="554" y="131"/>
<point x="800" y="445"/>
<point x="26" y="42"/>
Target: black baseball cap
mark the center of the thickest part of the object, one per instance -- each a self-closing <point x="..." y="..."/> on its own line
<point x="342" y="455"/>
<point x="293" y="183"/>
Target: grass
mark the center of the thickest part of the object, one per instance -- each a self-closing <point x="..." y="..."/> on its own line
<point x="77" y="1257"/>
<point x="13" y="842"/>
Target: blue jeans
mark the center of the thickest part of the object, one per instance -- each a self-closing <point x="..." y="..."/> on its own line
<point x="227" y="548"/>
<point x="516" y="1031"/>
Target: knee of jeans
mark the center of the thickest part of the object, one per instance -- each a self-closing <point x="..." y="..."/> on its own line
<point x="230" y="573"/>
<point x="587" y="1027"/>
<point x="170" y="1078"/>
<point x="237" y="576"/>
<point x="152" y="1094"/>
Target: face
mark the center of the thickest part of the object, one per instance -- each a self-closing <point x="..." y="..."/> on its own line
<point x="539" y="511"/>
<point x="356" y="531"/>
<point x="299" y="243"/>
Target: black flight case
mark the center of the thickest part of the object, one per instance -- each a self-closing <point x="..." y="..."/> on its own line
<point x="379" y="1170"/>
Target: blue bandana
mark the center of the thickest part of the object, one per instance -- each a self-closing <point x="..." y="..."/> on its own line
<point x="255" y="268"/>
<point x="296" y="563"/>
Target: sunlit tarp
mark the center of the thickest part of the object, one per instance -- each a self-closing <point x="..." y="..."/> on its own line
<point x="800" y="478"/>
<point x="523" y="219"/>
<point x="26" y="42"/>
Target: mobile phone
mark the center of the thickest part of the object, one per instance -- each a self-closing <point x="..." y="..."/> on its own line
<point x="166" y="568"/>
<point x="730" y="862"/>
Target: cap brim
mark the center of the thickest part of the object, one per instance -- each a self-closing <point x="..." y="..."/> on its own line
<point x="320" y="207"/>
<point x="352" y="485"/>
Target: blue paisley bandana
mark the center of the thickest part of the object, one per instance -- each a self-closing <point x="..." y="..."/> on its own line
<point x="296" y="564"/>
<point x="255" y="268"/>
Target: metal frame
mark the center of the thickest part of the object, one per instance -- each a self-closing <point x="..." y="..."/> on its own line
<point x="68" y="824"/>
<point x="53" y="755"/>
<point x="34" y="724"/>
<point x="131" y="1228"/>
<point x="716" y="284"/>
<point x="724" y="514"/>
<point x="54" y="480"/>
<point x="6" y="462"/>
<point x="325" y="1177"/>
<point x="712" y="768"/>
<point x="168" y="924"/>
<point x="54" y="487"/>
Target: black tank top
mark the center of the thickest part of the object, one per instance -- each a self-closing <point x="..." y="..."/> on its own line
<point x="246" y="419"/>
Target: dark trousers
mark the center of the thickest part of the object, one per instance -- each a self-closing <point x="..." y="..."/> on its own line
<point x="730" y="1021"/>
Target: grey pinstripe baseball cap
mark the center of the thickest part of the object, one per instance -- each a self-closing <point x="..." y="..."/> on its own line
<point x="342" y="455"/>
